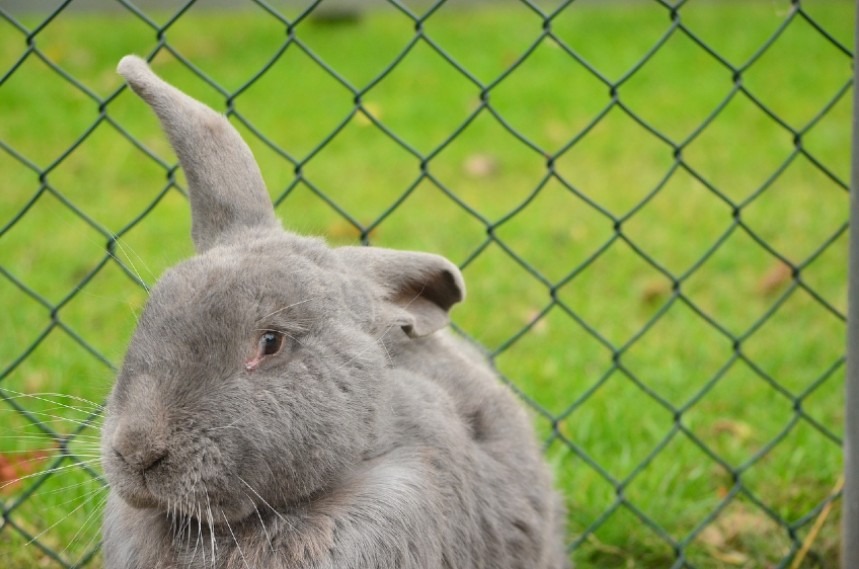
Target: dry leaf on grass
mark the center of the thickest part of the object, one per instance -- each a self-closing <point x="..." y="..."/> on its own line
<point x="480" y="165"/>
<point x="729" y="530"/>
<point x="777" y="276"/>
<point x="738" y="429"/>
<point x="541" y="327"/>
<point x="655" y="290"/>
<point x="13" y="467"/>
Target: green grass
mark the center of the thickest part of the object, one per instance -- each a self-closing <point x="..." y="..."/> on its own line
<point x="639" y="380"/>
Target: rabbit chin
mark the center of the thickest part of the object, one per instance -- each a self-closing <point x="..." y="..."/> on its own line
<point x="196" y="505"/>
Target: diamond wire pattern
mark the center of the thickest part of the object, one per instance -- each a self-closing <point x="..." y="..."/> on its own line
<point x="794" y="12"/>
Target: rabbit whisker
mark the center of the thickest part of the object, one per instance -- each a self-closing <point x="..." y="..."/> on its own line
<point x="96" y="534"/>
<point x="294" y="304"/>
<point x="186" y="528"/>
<point x="261" y="523"/>
<point x="125" y="249"/>
<point x="211" y="521"/>
<point x="68" y="515"/>
<point x="30" y="451"/>
<point x="77" y="464"/>
<point x="191" y="520"/>
<point x="20" y="434"/>
<point x="175" y="521"/>
<point x="181" y="522"/>
<point x="87" y="521"/>
<point x="60" y="418"/>
<point x="377" y="340"/>
<point x="43" y="396"/>
<point x="88" y="455"/>
<point x="200" y="532"/>
<point x="93" y="440"/>
<point x="228" y="426"/>
<point x="87" y="412"/>
<point x="387" y="353"/>
<point x="85" y="496"/>
<point x="236" y="541"/>
<point x="93" y="411"/>
<point x="261" y="499"/>
<point x="168" y="515"/>
<point x="100" y="479"/>
<point x="58" y="436"/>
<point x="199" y="537"/>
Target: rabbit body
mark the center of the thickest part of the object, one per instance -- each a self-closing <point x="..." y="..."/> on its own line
<point x="284" y="404"/>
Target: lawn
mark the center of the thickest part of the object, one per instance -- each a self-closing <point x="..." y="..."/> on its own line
<point x="653" y="240"/>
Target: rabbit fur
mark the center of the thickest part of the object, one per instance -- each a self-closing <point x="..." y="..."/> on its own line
<point x="284" y="404"/>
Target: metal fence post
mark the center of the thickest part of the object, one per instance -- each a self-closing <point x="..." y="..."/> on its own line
<point x="850" y="529"/>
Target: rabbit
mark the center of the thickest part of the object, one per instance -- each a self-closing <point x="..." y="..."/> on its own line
<point x="286" y="404"/>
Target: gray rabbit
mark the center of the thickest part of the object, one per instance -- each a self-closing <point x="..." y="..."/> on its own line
<point x="284" y="404"/>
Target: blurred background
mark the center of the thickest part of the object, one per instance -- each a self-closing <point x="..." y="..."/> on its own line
<point x="648" y="199"/>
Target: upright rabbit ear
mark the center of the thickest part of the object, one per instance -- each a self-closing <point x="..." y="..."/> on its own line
<point x="421" y="287"/>
<point x="225" y="185"/>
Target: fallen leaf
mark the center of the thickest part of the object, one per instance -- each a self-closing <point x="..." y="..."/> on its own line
<point x="740" y="430"/>
<point x="726" y="534"/>
<point x="712" y="536"/>
<point x="480" y="165"/>
<point x="778" y="275"/>
<point x="541" y="327"/>
<point x="14" y="467"/>
<point x="655" y="290"/>
<point x="730" y="557"/>
<point x="35" y="381"/>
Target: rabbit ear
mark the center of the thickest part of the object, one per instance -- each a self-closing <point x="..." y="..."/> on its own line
<point x="421" y="286"/>
<point x="225" y="185"/>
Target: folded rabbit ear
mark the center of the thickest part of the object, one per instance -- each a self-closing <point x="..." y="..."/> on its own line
<point x="421" y="286"/>
<point x="226" y="188"/>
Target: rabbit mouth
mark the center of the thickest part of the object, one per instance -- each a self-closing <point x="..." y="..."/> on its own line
<point x="144" y="490"/>
<point x="134" y="491"/>
<point x="200" y="506"/>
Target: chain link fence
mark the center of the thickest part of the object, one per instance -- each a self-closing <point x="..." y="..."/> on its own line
<point x="648" y="200"/>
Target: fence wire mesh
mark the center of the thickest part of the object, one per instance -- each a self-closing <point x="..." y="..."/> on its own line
<point x="648" y="200"/>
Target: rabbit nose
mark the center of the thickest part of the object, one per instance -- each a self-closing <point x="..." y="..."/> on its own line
<point x="139" y="446"/>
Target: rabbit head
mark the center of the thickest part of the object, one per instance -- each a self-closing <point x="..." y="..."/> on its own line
<point x="256" y="374"/>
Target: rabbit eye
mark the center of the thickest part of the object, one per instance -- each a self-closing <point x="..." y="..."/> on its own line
<point x="270" y="343"/>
